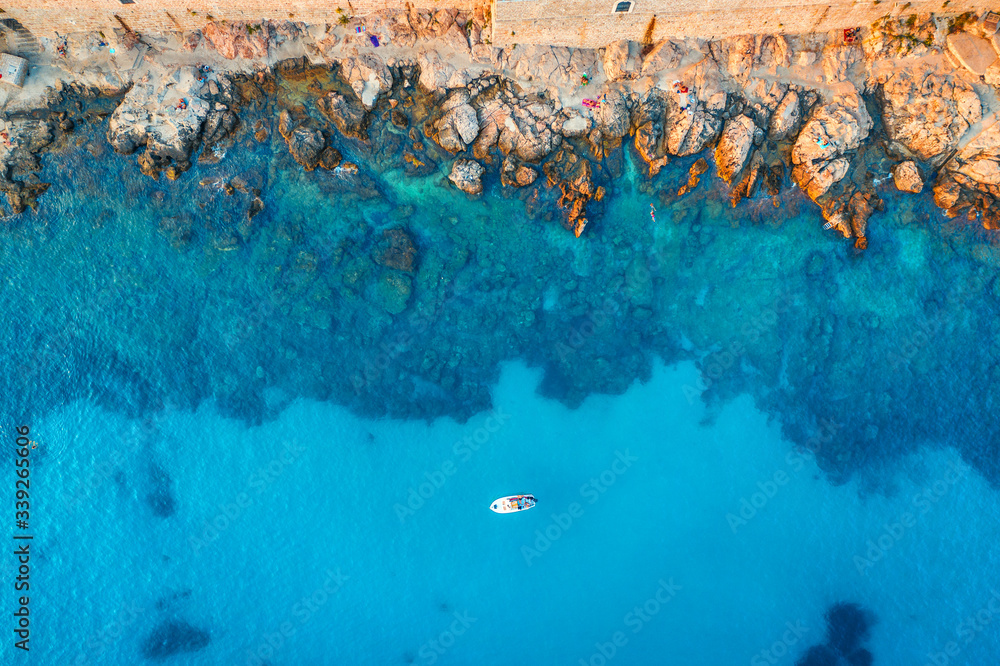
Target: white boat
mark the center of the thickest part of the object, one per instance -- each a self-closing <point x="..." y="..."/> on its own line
<point x="513" y="503"/>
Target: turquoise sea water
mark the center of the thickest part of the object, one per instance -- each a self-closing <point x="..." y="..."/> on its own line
<point x="733" y="422"/>
<point x="323" y="495"/>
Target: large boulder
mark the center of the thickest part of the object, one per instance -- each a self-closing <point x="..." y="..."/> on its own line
<point x="525" y="133"/>
<point x="575" y="125"/>
<point x="832" y="130"/>
<point x="612" y="116"/>
<point x="907" y="177"/>
<point x="734" y="146"/>
<point x="467" y="176"/>
<point x="786" y="118"/>
<point x="513" y="174"/>
<point x="650" y="120"/>
<point x="691" y="131"/>
<point x="368" y="77"/>
<point x="977" y="165"/>
<point x="458" y="126"/>
<point x="927" y="113"/>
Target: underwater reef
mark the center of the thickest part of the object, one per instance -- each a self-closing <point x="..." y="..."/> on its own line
<point x="848" y="627"/>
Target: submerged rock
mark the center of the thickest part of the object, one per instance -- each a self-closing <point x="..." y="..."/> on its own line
<point x="305" y="146"/>
<point x="751" y="178"/>
<point x="329" y="158"/>
<point x="173" y="637"/>
<point x="396" y="250"/>
<point x="160" y="497"/>
<point x="349" y="117"/>
<point x="467" y="175"/>
<point x="694" y="176"/>
<point x="393" y="291"/>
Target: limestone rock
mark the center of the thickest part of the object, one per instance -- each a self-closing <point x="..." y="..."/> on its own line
<point x="748" y="183"/>
<point x="368" y="77"/>
<point x="286" y="124"/>
<point x="740" y="56"/>
<point x="927" y="113"/>
<point x="438" y="74"/>
<point x="526" y="135"/>
<point x="786" y="118"/>
<point x="976" y="166"/>
<point x="621" y="60"/>
<point x="574" y="177"/>
<point x="467" y="176"/>
<point x="239" y="40"/>
<point x="734" y="147"/>
<point x="663" y="56"/>
<point x="946" y="190"/>
<point x="549" y="65"/>
<point x="459" y="125"/>
<point x="163" y="113"/>
<point x="455" y="38"/>
<point x="860" y="207"/>
<point x="575" y="126"/>
<point x="612" y="117"/>
<point x="975" y="53"/>
<point x="650" y="136"/>
<point x="840" y="61"/>
<point x="907" y="177"/>
<point x="832" y="130"/>
<point x="690" y="133"/>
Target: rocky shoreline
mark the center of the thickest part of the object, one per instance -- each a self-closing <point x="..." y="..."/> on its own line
<point x="809" y="111"/>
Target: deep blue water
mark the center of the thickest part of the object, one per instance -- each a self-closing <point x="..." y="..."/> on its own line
<point x="244" y="457"/>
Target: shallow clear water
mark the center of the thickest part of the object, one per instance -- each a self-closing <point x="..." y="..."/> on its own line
<point x="235" y="433"/>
